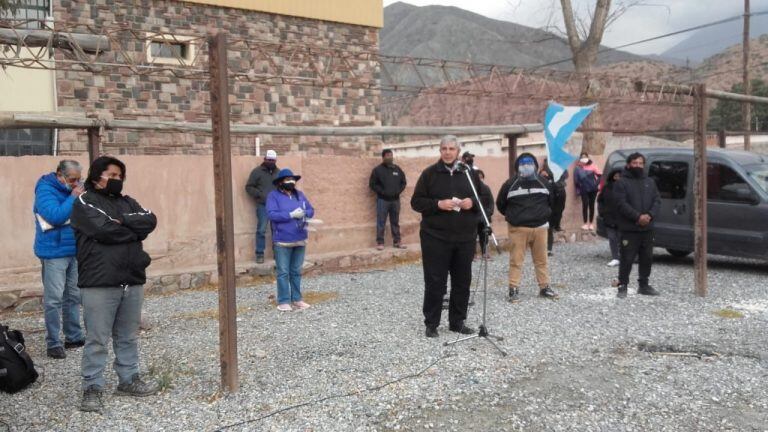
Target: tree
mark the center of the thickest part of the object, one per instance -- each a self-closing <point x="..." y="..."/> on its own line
<point x="726" y="115"/>
<point x="584" y="36"/>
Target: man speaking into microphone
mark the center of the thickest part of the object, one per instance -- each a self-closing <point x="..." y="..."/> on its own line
<point x="444" y="197"/>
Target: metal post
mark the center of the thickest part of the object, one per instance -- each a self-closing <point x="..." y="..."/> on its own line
<point x="746" y="108"/>
<point x="94" y="144"/>
<point x="512" y="153"/>
<point x="700" y="190"/>
<point x="225" y="235"/>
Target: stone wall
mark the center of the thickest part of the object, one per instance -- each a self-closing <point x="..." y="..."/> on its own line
<point x="130" y="96"/>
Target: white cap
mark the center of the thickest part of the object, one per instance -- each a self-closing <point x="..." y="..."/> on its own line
<point x="271" y="155"/>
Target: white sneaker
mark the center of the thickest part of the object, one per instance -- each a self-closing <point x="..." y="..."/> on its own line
<point x="613" y="263"/>
<point x="301" y="305"/>
<point x="284" y="307"/>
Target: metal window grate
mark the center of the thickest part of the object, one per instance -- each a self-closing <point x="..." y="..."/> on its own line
<point x="33" y="11"/>
<point x="26" y="142"/>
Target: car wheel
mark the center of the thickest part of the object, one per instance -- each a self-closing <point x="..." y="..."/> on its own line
<point x="678" y="253"/>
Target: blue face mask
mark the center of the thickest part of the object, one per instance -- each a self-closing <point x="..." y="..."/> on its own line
<point x="527" y="170"/>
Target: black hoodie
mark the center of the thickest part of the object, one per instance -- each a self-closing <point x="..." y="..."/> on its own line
<point x="525" y="202"/>
<point x="635" y="196"/>
<point x="606" y="202"/>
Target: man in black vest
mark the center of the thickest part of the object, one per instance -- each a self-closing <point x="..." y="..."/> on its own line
<point x="637" y="202"/>
<point x="449" y="211"/>
<point x="388" y="181"/>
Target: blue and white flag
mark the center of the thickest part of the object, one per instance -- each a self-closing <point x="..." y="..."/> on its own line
<point x="560" y="122"/>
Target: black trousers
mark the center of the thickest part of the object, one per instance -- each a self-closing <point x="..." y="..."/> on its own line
<point x="558" y="206"/>
<point x="482" y="237"/>
<point x="632" y="244"/>
<point x="441" y="258"/>
<point x="588" y="206"/>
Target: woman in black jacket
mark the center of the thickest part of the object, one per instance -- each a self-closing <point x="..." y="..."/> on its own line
<point x="109" y="228"/>
<point x="606" y="207"/>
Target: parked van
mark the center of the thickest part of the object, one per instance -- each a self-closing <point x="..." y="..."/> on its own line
<point x="737" y="200"/>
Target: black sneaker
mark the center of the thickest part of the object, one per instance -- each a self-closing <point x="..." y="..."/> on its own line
<point x="260" y="259"/>
<point x="92" y="399"/>
<point x="461" y="328"/>
<point x="647" y="290"/>
<point x="513" y="295"/>
<point x="137" y="388"/>
<point x="73" y="345"/>
<point x="432" y="332"/>
<point x="547" y="292"/>
<point x="622" y="293"/>
<point x="57" y="353"/>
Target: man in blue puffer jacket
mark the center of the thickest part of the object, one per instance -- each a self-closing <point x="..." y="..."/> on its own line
<point x="55" y="193"/>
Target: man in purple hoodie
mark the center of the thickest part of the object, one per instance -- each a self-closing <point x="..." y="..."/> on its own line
<point x="55" y="193"/>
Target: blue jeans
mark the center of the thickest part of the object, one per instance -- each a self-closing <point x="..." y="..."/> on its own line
<point x="111" y="312"/>
<point x="61" y="300"/>
<point x="261" y="228"/>
<point x="386" y="208"/>
<point x="289" y="261"/>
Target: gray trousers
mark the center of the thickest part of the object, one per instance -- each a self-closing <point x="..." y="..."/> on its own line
<point x="111" y="312"/>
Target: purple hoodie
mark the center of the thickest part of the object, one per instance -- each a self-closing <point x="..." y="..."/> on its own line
<point x="286" y="229"/>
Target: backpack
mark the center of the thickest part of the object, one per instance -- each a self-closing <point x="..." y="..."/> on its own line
<point x="16" y="368"/>
<point x="589" y="181"/>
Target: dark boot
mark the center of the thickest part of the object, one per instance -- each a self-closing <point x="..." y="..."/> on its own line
<point x="92" y="400"/>
<point x="432" y="332"/>
<point x="513" y="295"/>
<point x="547" y="292"/>
<point x="56" y="353"/>
<point x="647" y="290"/>
<point x="622" y="293"/>
<point x="137" y="388"/>
<point x="461" y="328"/>
<point x="259" y="258"/>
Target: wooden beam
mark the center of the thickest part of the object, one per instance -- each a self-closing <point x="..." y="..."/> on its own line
<point x="225" y="234"/>
<point x="641" y="86"/>
<point x="43" y="38"/>
<point x="700" y="190"/>
<point x="94" y="144"/>
<point x="512" y="154"/>
<point x="746" y="109"/>
<point x="59" y="121"/>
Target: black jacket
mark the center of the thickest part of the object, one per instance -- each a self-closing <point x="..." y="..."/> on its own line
<point x="437" y="183"/>
<point x="525" y="202"/>
<point x="259" y="183"/>
<point x="109" y="231"/>
<point x="606" y="202"/>
<point x="387" y="181"/>
<point x="486" y="196"/>
<point x="633" y="197"/>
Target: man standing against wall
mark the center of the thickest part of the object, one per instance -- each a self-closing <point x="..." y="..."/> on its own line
<point x="55" y="194"/>
<point x="388" y="181"/>
<point x="449" y="211"/>
<point x="637" y="202"/>
<point x="259" y="185"/>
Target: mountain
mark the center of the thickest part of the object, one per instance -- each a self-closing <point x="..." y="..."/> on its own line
<point x="444" y="32"/>
<point x="709" y="41"/>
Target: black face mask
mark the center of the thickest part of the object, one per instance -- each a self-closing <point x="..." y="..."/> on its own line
<point x="270" y="165"/>
<point x="636" y="172"/>
<point x="470" y="162"/>
<point x="290" y="187"/>
<point x="114" y="187"/>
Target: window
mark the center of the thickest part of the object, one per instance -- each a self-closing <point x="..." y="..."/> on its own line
<point x="169" y="49"/>
<point x="671" y="178"/>
<point x="725" y="184"/>
<point x="33" y="11"/>
<point x="26" y="142"/>
<point x="760" y="174"/>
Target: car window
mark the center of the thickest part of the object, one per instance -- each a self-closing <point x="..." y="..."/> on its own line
<point x="671" y="178"/>
<point x="760" y="174"/>
<point x="725" y="184"/>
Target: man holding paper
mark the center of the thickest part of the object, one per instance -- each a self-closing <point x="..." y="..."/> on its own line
<point x="55" y="193"/>
<point x="444" y="197"/>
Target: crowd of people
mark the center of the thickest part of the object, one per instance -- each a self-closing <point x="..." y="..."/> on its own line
<point x="89" y="240"/>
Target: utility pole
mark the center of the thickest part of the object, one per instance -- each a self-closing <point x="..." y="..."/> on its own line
<point x="746" y="108"/>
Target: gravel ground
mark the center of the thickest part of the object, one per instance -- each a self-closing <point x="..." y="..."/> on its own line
<point x="586" y="362"/>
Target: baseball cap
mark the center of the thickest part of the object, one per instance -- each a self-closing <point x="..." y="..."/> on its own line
<point x="467" y="154"/>
<point x="271" y="155"/>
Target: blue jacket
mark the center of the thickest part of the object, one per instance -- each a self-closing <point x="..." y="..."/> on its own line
<point x="285" y="229"/>
<point x="53" y="202"/>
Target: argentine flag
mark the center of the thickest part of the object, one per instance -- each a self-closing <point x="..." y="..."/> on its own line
<point x="560" y="122"/>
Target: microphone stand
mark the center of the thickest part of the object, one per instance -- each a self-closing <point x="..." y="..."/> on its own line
<point x="483" y="330"/>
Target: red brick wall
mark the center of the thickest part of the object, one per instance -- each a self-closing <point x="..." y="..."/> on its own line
<point x="169" y="98"/>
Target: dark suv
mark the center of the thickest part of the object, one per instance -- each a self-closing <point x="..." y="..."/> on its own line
<point x="737" y="200"/>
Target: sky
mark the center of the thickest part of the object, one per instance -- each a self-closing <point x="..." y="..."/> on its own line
<point x="656" y="17"/>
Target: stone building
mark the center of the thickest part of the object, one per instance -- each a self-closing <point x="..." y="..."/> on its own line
<point x="348" y="25"/>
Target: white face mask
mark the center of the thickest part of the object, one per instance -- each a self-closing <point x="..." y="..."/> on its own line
<point x="584" y="160"/>
<point x="527" y="170"/>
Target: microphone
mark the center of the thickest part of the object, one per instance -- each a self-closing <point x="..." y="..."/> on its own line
<point x="461" y="166"/>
